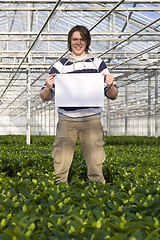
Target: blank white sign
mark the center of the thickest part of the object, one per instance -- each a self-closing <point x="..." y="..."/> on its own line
<point x="79" y="90"/>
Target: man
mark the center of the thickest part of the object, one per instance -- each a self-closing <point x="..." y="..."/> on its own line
<point x="79" y="122"/>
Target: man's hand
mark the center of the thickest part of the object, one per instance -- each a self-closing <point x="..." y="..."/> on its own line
<point x="46" y="92"/>
<point x="50" y="80"/>
<point x="112" y="91"/>
<point x="109" y="79"/>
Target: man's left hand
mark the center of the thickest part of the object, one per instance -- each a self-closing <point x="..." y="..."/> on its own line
<point x="109" y="79"/>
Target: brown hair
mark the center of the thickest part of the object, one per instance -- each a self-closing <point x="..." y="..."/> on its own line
<point x="84" y="33"/>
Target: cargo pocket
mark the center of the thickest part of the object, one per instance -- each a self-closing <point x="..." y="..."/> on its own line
<point x="100" y="153"/>
<point x="57" y="150"/>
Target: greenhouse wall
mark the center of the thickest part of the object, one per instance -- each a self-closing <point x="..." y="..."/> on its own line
<point x="45" y="124"/>
<point x="13" y="126"/>
<point x="135" y="127"/>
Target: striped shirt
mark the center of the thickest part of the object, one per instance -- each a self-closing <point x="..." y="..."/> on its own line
<point x="87" y="64"/>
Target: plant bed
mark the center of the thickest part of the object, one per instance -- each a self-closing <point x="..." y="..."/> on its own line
<point x="33" y="206"/>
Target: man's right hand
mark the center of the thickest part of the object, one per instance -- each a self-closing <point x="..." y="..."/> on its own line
<point x="46" y="92"/>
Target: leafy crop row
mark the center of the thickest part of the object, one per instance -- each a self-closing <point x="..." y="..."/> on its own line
<point x="33" y="206"/>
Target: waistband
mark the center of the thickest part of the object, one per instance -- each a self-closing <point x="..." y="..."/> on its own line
<point x="78" y="119"/>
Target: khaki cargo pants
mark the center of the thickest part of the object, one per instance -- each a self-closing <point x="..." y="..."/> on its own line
<point x="91" y="138"/>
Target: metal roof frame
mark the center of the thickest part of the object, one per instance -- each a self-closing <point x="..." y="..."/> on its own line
<point x="33" y="36"/>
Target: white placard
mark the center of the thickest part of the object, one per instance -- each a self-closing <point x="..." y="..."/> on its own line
<point x="79" y="90"/>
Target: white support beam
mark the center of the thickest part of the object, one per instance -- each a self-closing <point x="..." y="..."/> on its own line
<point x="60" y="34"/>
<point x="63" y="39"/>
<point x="149" y="107"/>
<point x="81" y="1"/>
<point x="44" y="67"/>
<point x="79" y="9"/>
<point x="126" y="108"/>
<point x="156" y="107"/>
<point x="28" y="117"/>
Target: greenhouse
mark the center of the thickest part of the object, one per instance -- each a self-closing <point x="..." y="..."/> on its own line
<point x="125" y="34"/>
<point x="123" y="202"/>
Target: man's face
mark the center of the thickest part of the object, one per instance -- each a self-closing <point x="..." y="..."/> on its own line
<point x="78" y="45"/>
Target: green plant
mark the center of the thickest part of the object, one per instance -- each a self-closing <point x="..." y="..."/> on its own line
<point x="33" y="206"/>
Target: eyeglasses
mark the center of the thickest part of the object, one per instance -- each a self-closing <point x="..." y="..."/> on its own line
<point x="78" y="40"/>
